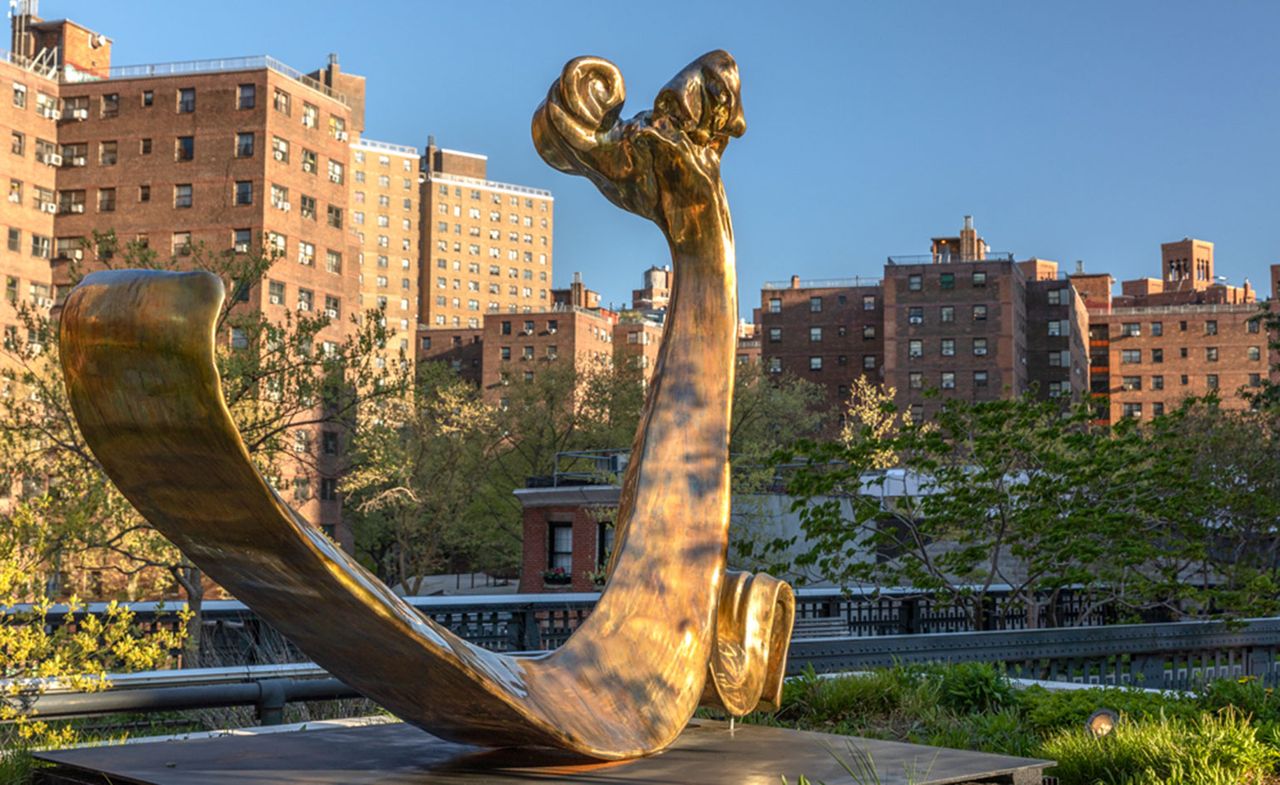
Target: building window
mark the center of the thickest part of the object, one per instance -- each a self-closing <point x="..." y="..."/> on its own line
<point x="868" y="332"/>
<point x="915" y="282"/>
<point x="1157" y="355"/>
<point x="1182" y="352"/>
<point x="185" y="150"/>
<point x="1060" y="359"/>
<point x="310" y="116"/>
<point x="947" y="280"/>
<point x="915" y="315"/>
<point x="1130" y="330"/>
<point x="244" y="145"/>
<point x="307" y="206"/>
<point x="947" y="314"/>
<point x="1211" y="381"/>
<point x="333" y="262"/>
<point x="1183" y="380"/>
<point x="560" y="547"/>
<point x="869" y="362"/>
<point x="1254" y="352"/>
<point x="111" y="105"/>
<point x="335" y="172"/>
<point x="1058" y="327"/>
<point x="979" y="313"/>
<point x="1131" y="356"/>
<point x="1131" y="383"/>
<point x="815" y="363"/>
<point x="979" y="378"/>
<point x="1157" y="382"/>
<point x="1157" y="328"/>
<point x="144" y="193"/>
<point x="1255" y="379"/>
<point x="108" y="153"/>
<point x="980" y="347"/>
<point x="275" y="292"/>
<point x="948" y="346"/>
<point x="306" y="299"/>
<point x="182" y="195"/>
<point x="915" y="348"/>
<point x="948" y="380"/>
<point x="310" y="161"/>
<point x="915" y="380"/>
<point x="1253" y="325"/>
<point x="246" y="96"/>
<point x="775" y="365"/>
<point x="20" y="96"/>
<point x="775" y="334"/>
<point x="186" y="100"/>
<point x="334" y="216"/>
<point x="1133" y="410"/>
<point x="1157" y="409"/>
<point x="815" y="305"/>
<point x="106" y="200"/>
<point x="815" y="335"/>
<point x="18" y="145"/>
<point x="181" y="244"/>
<point x="868" y="302"/>
<point x="1211" y="327"/>
<point x="244" y="192"/>
<point x="1057" y="296"/>
<point x="1211" y="354"/>
<point x="775" y="305"/>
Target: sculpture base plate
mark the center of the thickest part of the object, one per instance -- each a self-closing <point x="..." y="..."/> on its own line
<point x="397" y="754"/>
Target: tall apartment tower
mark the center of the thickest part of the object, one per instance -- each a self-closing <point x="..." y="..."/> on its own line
<point x="486" y="246"/>
<point x="234" y="155"/>
<point x="385" y="216"/>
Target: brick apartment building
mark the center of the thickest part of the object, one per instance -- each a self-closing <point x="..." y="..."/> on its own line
<point x="385" y="217"/>
<point x="1163" y="339"/>
<point x="486" y="246"/>
<point x="233" y="155"/>
<point x="958" y="321"/>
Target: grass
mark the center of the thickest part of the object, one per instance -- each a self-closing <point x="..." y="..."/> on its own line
<point x="1226" y="734"/>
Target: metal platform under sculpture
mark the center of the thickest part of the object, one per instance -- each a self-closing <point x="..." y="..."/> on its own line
<point x="707" y="753"/>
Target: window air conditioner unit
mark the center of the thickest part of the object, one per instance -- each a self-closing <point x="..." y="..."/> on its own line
<point x="77" y="208"/>
<point x="334" y="178"/>
<point x="80" y="114"/>
<point x="49" y="207"/>
<point x="304" y="307"/>
<point x="53" y="160"/>
<point x="341" y="136"/>
<point x="279" y="155"/>
<point x="244" y="248"/>
<point x="77" y="254"/>
<point x="79" y="160"/>
<point x="306" y="167"/>
<point x="551" y="330"/>
<point x="43" y="302"/>
<point x="15" y="198"/>
<point x="54" y="114"/>
<point x="332" y="314"/>
<point x="284" y="206"/>
<point x="980" y="352"/>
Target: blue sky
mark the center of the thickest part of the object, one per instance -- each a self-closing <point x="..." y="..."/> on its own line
<point x="1071" y="130"/>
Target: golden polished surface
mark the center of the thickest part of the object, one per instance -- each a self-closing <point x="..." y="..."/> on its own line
<point x="671" y="628"/>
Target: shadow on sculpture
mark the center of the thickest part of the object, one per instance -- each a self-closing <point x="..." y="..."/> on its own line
<point x="671" y="630"/>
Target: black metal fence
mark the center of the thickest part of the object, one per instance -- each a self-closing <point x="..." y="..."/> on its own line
<point x="232" y="634"/>
<point x="1162" y="656"/>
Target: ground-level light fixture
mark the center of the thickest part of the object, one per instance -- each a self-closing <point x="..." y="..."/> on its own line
<point x="1101" y="722"/>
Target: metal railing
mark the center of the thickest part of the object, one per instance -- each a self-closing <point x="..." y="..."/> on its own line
<point x="457" y="179"/>
<point x="398" y="149"/>
<point x="1189" y="308"/>
<point x="218" y="65"/>
<point x="1173" y="656"/>
<point x="824" y="283"/>
<point x="928" y="258"/>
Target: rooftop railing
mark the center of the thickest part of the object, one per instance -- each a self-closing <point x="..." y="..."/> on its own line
<point x="1186" y="308"/>
<point x="398" y="149"/>
<point x="445" y="177"/>
<point x="824" y="283"/>
<point x="224" y="64"/>
<point x="928" y="258"/>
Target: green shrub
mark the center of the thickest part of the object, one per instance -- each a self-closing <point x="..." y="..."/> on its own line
<point x="1245" y="695"/>
<point x="974" y="687"/>
<point x="1047" y="711"/>
<point x="1002" y="732"/>
<point x="1212" y="749"/>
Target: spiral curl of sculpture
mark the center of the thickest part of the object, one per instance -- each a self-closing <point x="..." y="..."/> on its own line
<point x="671" y="630"/>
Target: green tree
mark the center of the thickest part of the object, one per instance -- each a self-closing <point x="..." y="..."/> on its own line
<point x="279" y="378"/>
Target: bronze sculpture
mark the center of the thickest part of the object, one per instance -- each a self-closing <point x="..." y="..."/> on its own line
<point x="671" y="629"/>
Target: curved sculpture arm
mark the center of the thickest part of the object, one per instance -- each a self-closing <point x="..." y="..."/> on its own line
<point x="138" y="356"/>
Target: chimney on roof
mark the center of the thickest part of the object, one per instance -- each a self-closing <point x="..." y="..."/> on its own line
<point x="577" y="277"/>
<point x="968" y="223"/>
<point x="795" y="282"/>
<point x="1079" y="266"/>
<point x="333" y="58"/>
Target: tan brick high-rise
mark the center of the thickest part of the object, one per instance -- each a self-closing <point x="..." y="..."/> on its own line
<point x="486" y="246"/>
